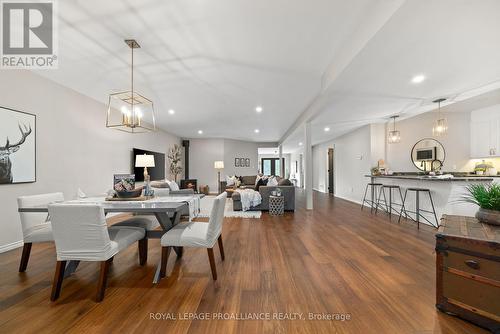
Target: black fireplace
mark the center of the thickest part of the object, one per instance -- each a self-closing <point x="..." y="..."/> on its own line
<point x="188" y="183"/>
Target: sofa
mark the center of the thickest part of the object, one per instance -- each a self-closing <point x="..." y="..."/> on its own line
<point x="248" y="182"/>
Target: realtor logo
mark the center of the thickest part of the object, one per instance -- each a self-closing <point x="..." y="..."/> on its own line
<point x="28" y="34"/>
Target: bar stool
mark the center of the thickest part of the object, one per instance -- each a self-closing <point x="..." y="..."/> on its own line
<point x="389" y="205"/>
<point x="372" y="201"/>
<point x="418" y="210"/>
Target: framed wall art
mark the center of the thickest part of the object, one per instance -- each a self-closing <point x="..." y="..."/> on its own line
<point x="17" y="146"/>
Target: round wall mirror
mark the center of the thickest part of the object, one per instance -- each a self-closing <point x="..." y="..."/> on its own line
<point x="428" y="155"/>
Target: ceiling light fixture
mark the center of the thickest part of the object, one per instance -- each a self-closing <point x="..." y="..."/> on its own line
<point x="394" y="135"/>
<point x="418" y="79"/>
<point x="440" y="127"/>
<point x="171" y="111"/>
<point x="327" y="129"/>
<point x="256" y="130"/>
<point x="130" y="111"/>
<point x="200" y="132"/>
<point x="258" y="109"/>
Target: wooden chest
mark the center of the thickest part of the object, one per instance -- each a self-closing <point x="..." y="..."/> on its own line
<point x="468" y="270"/>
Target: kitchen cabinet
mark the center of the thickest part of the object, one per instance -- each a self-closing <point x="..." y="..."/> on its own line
<point x="485" y="133"/>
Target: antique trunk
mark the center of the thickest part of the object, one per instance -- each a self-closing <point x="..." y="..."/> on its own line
<point x="468" y="270"/>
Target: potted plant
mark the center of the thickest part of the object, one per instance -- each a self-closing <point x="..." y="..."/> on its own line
<point x="487" y="197"/>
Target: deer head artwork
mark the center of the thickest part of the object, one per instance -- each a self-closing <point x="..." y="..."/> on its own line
<point x="5" y="152"/>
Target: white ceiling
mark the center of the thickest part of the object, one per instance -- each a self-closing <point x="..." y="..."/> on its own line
<point x="336" y="63"/>
<point x="455" y="44"/>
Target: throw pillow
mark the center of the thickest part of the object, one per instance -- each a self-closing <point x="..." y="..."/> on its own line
<point x="230" y="180"/>
<point x="285" y="182"/>
<point x="173" y="185"/>
<point x="260" y="177"/>
<point x="271" y="181"/>
<point x="261" y="182"/>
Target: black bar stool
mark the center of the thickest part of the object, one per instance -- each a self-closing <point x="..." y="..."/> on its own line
<point x="372" y="201"/>
<point x="418" y="210"/>
<point x="389" y="204"/>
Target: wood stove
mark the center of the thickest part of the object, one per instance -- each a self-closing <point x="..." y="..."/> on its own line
<point x="188" y="183"/>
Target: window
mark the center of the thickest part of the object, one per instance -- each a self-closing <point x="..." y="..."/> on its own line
<point x="271" y="166"/>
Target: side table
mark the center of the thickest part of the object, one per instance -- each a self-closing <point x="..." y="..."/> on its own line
<point x="276" y="205"/>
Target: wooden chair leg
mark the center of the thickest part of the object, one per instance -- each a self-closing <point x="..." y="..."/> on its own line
<point x="211" y="258"/>
<point x="58" y="279"/>
<point x="103" y="278"/>
<point x="221" y="248"/>
<point x="165" y="252"/>
<point x="25" y="257"/>
<point x="143" y="251"/>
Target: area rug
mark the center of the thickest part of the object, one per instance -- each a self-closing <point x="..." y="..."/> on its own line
<point x="206" y="206"/>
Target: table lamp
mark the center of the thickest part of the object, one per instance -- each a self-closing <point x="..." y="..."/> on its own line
<point x="219" y="165"/>
<point x="145" y="160"/>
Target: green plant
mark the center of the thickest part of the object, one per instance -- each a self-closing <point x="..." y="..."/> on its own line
<point x="487" y="196"/>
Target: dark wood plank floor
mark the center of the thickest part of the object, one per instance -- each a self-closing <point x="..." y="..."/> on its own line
<point x="335" y="259"/>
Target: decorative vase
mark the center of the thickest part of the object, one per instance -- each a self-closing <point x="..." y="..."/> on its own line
<point x="488" y="216"/>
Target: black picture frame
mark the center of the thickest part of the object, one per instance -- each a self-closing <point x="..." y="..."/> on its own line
<point x="34" y="128"/>
<point x="247" y="162"/>
<point x="236" y="162"/>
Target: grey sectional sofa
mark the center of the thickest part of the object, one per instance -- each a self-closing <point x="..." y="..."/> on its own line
<point x="248" y="182"/>
<point x="265" y="191"/>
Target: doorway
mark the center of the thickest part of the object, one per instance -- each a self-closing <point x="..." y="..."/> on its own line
<point x="330" y="171"/>
<point x="272" y="166"/>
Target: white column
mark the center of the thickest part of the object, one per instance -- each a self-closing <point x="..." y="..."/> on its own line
<point x="282" y="165"/>
<point x="308" y="164"/>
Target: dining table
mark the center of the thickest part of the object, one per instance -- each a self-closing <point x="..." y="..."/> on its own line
<point x="167" y="210"/>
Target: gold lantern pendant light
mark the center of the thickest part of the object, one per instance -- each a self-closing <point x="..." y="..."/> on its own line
<point x="130" y="111"/>
<point x="440" y="127"/>
<point x="394" y="135"/>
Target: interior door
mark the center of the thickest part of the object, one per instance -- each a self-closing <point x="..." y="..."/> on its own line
<point x="330" y="171"/>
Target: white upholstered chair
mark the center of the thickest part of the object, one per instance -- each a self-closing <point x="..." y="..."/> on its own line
<point x="36" y="226"/>
<point x="81" y="234"/>
<point x="197" y="234"/>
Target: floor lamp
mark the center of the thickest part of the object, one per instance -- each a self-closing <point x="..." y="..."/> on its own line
<point x="218" y="165"/>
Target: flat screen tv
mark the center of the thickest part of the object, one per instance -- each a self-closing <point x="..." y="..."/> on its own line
<point x="156" y="173"/>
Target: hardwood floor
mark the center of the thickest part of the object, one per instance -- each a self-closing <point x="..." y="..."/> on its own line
<point x="335" y="259"/>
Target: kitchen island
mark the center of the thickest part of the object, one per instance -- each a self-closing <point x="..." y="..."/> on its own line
<point x="447" y="193"/>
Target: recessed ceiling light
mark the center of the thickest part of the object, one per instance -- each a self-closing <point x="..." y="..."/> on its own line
<point x="258" y="109"/>
<point x="418" y="79"/>
<point x="171" y="111"/>
<point x="327" y="129"/>
<point x="200" y="132"/>
<point x="300" y="144"/>
<point x="256" y="130"/>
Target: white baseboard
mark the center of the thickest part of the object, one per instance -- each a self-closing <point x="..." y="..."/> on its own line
<point x="11" y="246"/>
<point x="349" y="199"/>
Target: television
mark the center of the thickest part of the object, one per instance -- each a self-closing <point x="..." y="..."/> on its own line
<point x="156" y="173"/>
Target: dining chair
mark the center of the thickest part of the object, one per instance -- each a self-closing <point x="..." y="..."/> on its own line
<point x="147" y="223"/>
<point x="81" y="234"/>
<point x="36" y="227"/>
<point x="197" y="234"/>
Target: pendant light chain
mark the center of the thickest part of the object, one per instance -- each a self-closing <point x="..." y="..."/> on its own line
<point x="132" y="86"/>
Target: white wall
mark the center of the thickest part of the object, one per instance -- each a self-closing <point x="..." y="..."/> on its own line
<point x="295" y="157"/>
<point x="240" y="149"/>
<point x="456" y="142"/>
<point x="352" y="160"/>
<point x="74" y="148"/>
<point x="203" y="153"/>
